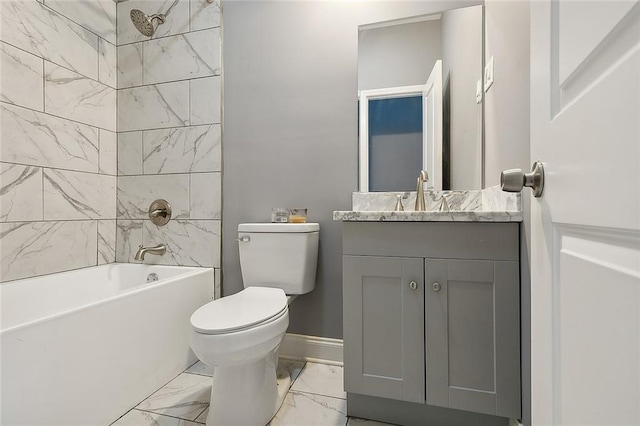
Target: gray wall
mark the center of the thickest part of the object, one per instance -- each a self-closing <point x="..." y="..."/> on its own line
<point x="507" y="101"/>
<point x="400" y="55"/>
<point x="507" y="137"/>
<point x="462" y="67"/>
<point x="290" y="128"/>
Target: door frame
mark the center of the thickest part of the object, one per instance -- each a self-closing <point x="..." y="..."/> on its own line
<point x="363" y="141"/>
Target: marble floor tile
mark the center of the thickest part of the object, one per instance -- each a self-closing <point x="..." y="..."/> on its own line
<point x="185" y="397"/>
<point x="291" y="366"/>
<point x="308" y="409"/>
<point x="200" y="368"/>
<point x="320" y="379"/>
<point x="144" y="418"/>
<point x="355" y="421"/>
<point x="202" y="418"/>
<point x="185" y="400"/>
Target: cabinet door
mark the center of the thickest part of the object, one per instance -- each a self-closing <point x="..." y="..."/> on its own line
<point x="473" y="336"/>
<point x="384" y="327"/>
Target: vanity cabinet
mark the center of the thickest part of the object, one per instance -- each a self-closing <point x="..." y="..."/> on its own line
<point x="473" y="335"/>
<point x="431" y="314"/>
<point x="383" y="330"/>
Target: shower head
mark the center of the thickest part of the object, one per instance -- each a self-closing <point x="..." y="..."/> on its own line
<point x="144" y="22"/>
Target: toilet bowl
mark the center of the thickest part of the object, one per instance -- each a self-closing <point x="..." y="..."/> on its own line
<point x="239" y="335"/>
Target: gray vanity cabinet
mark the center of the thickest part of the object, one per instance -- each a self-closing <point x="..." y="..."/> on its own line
<point x="431" y="314"/>
<point x="473" y="335"/>
<point x="383" y="333"/>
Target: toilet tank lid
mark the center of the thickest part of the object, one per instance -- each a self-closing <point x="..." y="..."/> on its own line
<point x="278" y="227"/>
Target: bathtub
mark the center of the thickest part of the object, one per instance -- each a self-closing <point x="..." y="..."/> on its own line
<point x="83" y="347"/>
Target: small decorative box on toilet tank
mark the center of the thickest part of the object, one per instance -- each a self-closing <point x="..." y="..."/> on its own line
<point x="279" y="215"/>
<point x="297" y="215"/>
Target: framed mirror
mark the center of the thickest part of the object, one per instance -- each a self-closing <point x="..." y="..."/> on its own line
<point x="420" y="101"/>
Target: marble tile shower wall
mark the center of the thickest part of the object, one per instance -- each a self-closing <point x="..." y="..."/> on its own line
<point x="169" y="132"/>
<point x="58" y="139"/>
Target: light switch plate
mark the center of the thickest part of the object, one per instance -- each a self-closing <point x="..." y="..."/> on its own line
<point x="488" y="74"/>
<point x="479" y="91"/>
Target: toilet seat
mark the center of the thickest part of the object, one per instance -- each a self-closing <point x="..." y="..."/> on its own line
<point x="249" y="308"/>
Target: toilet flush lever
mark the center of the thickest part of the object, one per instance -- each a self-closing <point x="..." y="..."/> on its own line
<point x="244" y="239"/>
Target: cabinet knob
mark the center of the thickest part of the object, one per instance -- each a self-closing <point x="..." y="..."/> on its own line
<point x="436" y="286"/>
<point x="413" y="285"/>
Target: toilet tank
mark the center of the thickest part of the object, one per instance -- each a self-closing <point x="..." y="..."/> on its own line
<point x="279" y="255"/>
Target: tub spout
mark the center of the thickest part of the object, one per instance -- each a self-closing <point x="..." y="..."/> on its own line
<point x="160" y="249"/>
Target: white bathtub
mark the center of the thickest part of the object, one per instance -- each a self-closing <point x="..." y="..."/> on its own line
<point x="83" y="347"/>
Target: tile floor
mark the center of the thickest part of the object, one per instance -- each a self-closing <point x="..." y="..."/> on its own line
<point x="314" y="398"/>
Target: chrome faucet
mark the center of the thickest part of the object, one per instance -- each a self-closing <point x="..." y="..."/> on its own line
<point x="422" y="178"/>
<point x="160" y="249"/>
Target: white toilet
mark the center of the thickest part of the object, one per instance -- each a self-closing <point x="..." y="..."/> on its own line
<point x="239" y="335"/>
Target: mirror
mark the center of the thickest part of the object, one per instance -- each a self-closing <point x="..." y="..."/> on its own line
<point x="418" y="83"/>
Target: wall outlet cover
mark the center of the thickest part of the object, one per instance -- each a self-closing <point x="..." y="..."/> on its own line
<point x="488" y="74"/>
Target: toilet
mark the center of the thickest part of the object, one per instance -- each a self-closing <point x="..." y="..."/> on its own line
<point x="239" y="335"/>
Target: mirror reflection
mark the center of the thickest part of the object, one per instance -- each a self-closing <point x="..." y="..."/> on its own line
<point x="419" y="91"/>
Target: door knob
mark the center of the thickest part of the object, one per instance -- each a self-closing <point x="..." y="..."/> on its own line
<point x="513" y="180"/>
<point x="436" y="287"/>
<point x="413" y="285"/>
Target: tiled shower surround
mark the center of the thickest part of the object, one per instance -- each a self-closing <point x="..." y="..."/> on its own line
<point x="96" y="122"/>
<point x="169" y="132"/>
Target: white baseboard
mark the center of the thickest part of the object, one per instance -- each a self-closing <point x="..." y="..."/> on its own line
<point x="322" y="350"/>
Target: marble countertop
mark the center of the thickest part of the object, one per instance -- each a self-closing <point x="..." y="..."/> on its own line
<point x="429" y="216"/>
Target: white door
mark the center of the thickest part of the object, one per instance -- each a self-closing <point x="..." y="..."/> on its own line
<point x="585" y="246"/>
<point x="432" y="127"/>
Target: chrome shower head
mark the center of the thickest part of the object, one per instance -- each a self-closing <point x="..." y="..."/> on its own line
<point x="144" y="22"/>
